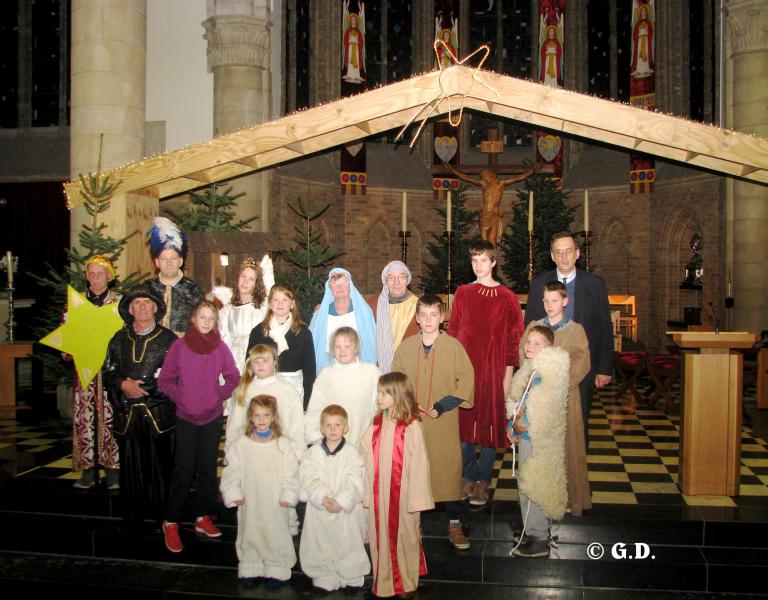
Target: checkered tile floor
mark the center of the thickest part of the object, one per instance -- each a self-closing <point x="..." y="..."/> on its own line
<point x="632" y="456"/>
<point x="633" y="459"/>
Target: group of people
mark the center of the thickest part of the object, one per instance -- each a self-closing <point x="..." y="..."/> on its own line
<point x="369" y="416"/>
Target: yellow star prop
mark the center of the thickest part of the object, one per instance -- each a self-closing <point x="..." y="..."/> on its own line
<point x="435" y="101"/>
<point x="86" y="334"/>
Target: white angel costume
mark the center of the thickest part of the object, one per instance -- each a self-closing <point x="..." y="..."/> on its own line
<point x="353" y="387"/>
<point x="263" y="474"/>
<point x="332" y="550"/>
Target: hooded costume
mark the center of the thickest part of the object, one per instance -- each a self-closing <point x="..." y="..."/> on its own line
<point x="325" y="321"/>
<point x="395" y="317"/>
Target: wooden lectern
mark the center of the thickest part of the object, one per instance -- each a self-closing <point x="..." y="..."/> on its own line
<point x="710" y="423"/>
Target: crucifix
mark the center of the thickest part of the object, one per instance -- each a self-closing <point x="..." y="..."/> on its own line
<point x="491" y="226"/>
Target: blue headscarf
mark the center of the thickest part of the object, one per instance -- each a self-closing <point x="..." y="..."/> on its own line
<point x="366" y="325"/>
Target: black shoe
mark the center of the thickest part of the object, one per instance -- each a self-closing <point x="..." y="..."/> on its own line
<point x="532" y="547"/>
<point x="273" y="584"/>
<point x="248" y="582"/>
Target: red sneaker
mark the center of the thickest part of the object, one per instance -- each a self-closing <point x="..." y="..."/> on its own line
<point x="172" y="539"/>
<point x="205" y="526"/>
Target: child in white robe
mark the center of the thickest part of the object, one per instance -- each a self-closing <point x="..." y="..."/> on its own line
<point x="348" y="382"/>
<point x="261" y="479"/>
<point x="260" y="377"/>
<point x="332" y="548"/>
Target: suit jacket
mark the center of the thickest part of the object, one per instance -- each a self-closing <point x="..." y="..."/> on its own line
<point x="591" y="311"/>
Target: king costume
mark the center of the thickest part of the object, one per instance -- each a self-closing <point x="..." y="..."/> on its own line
<point x="90" y="406"/>
<point x="396" y="490"/>
<point x="489" y="324"/>
<point x="181" y="295"/>
<point x="143" y="426"/>
<point x="332" y="551"/>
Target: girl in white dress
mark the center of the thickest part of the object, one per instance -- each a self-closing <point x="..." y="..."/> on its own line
<point x="348" y="382"/>
<point x="260" y="377"/>
<point x="261" y="479"/>
<point x="245" y="305"/>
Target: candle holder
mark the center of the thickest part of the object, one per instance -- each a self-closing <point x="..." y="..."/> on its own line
<point x="530" y="255"/>
<point x="448" y="234"/>
<point x="404" y="235"/>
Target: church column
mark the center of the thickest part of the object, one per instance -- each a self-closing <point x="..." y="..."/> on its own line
<point x="238" y="34"/>
<point x="108" y="79"/>
<point x="747" y="53"/>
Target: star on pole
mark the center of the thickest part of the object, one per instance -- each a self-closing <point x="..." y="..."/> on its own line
<point x="86" y="334"/>
<point x="434" y="102"/>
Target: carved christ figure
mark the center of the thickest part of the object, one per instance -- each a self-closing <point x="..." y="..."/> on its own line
<point x="491" y="226"/>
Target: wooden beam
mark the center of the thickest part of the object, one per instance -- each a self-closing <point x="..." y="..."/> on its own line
<point x="390" y="107"/>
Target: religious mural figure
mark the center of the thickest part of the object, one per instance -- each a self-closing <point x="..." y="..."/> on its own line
<point x="450" y="37"/>
<point x="551" y="52"/>
<point x="491" y="225"/>
<point x="353" y="44"/>
<point x="643" y="62"/>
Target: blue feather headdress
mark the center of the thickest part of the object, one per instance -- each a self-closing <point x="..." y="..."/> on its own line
<point x="165" y="234"/>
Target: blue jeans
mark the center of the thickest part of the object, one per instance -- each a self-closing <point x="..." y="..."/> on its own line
<point x="477" y="468"/>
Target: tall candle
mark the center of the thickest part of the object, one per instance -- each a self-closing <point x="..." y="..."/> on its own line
<point x="530" y="211"/>
<point x="586" y="210"/>
<point x="448" y="212"/>
<point x="405" y="211"/>
<point x="9" y="266"/>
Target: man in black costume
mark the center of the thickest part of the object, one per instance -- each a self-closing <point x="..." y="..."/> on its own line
<point x="143" y="416"/>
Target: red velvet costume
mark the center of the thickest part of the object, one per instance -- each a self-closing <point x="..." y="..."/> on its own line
<point x="489" y="323"/>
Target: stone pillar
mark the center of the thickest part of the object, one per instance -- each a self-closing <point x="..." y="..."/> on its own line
<point x="747" y="53"/>
<point x="238" y="34"/>
<point x="108" y="79"/>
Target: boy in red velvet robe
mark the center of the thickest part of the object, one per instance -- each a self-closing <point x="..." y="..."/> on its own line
<point x="487" y="320"/>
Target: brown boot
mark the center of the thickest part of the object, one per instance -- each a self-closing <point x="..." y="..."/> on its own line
<point x="480" y="494"/>
<point x="467" y="488"/>
<point x="457" y="537"/>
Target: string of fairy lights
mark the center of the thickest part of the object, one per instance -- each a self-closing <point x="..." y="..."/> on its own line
<point x="431" y="106"/>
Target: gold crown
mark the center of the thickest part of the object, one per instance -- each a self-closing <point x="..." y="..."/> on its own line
<point x="102" y="260"/>
<point x="249" y="262"/>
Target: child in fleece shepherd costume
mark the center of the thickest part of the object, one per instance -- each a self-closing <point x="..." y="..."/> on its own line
<point x="537" y="408"/>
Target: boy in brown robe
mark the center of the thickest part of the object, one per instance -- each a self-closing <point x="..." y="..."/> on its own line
<point x="443" y="380"/>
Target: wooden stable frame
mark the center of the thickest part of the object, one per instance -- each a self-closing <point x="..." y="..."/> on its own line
<point x="390" y="107"/>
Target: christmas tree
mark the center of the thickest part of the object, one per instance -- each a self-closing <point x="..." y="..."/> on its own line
<point x="550" y="216"/>
<point x="212" y="211"/>
<point x="436" y="279"/>
<point x="97" y="191"/>
<point x="308" y="260"/>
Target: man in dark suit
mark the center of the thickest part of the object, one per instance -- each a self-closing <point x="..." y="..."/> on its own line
<point x="588" y="305"/>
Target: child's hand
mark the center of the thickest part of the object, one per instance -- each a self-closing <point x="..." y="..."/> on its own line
<point x="513" y="439"/>
<point x="285" y="504"/>
<point x="518" y="426"/>
<point x="239" y="502"/>
<point x="331" y="505"/>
